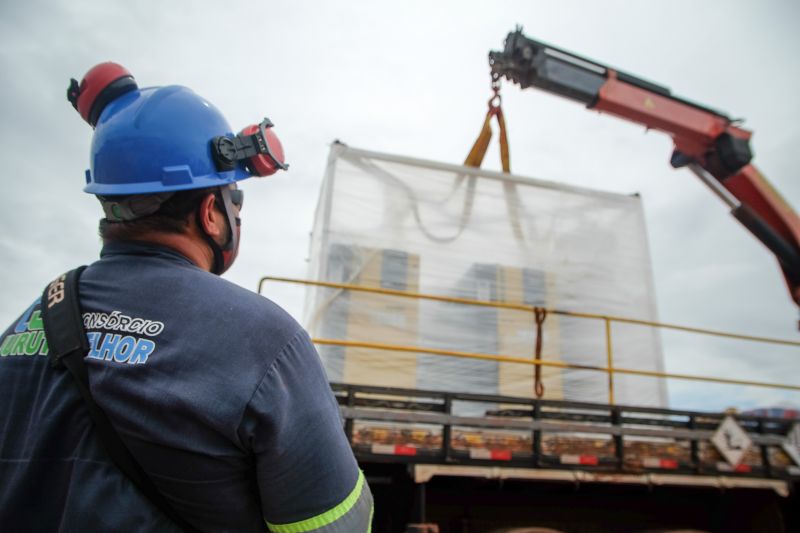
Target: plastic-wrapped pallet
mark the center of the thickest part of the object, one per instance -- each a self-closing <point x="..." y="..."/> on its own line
<point x="419" y="226"/>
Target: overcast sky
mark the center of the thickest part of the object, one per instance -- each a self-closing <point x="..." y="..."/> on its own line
<point x="411" y="78"/>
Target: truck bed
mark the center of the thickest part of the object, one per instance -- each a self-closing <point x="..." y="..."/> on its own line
<point x="458" y="429"/>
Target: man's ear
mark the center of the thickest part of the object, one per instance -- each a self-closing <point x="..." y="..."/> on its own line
<point x="210" y="219"/>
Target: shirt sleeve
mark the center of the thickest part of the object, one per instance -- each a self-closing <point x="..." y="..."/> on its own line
<point x="307" y="476"/>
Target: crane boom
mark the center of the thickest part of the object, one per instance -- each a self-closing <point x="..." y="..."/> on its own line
<point x="709" y="142"/>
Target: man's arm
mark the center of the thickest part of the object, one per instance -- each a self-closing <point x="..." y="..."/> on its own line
<point x="307" y="476"/>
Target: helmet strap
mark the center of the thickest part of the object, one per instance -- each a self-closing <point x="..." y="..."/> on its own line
<point x="224" y="254"/>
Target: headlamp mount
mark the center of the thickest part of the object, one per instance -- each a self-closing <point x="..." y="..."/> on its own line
<point x="252" y="148"/>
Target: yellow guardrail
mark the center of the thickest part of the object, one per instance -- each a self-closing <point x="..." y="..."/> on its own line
<point x="607" y="319"/>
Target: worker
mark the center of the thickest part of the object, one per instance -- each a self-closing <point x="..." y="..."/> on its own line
<point x="217" y="393"/>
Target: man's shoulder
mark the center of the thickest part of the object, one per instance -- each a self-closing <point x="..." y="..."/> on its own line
<point x="172" y="291"/>
<point x="248" y="305"/>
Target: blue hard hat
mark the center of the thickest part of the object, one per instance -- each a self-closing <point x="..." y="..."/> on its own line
<point x="156" y="140"/>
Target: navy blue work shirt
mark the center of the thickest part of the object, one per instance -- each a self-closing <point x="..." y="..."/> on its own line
<point x="218" y="393"/>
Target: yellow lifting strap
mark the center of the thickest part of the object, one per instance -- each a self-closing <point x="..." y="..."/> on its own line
<point x="478" y="152"/>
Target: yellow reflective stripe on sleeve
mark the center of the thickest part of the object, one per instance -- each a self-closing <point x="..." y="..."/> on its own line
<point x="328" y="517"/>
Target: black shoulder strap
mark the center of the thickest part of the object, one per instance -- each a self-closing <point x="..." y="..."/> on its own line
<point x="67" y="344"/>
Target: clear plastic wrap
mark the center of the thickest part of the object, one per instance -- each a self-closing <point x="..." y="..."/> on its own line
<point x="418" y="226"/>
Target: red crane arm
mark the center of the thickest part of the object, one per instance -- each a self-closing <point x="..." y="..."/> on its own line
<point x="706" y="140"/>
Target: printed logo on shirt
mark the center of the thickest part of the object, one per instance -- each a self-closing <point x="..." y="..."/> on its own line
<point x="118" y="347"/>
<point x="28" y="337"/>
<point x="127" y="346"/>
<point x="116" y="321"/>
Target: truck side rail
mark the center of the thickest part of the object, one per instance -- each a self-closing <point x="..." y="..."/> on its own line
<point x="385" y="424"/>
<point x="455" y="429"/>
<point x="608" y="321"/>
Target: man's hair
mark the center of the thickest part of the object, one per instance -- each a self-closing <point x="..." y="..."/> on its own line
<point x="172" y="217"/>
